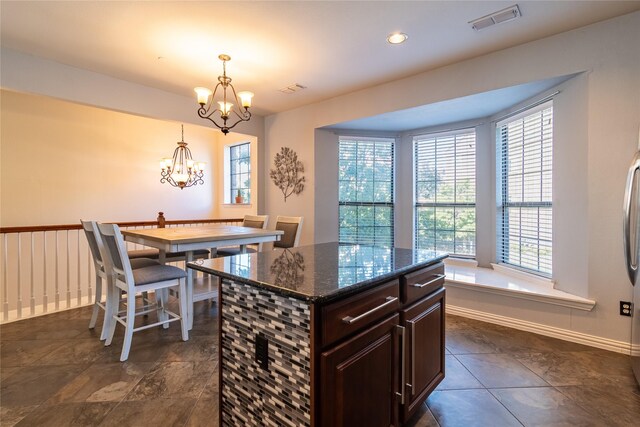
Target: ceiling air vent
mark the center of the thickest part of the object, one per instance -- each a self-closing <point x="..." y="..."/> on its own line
<point x="498" y="17"/>
<point x="292" y="88"/>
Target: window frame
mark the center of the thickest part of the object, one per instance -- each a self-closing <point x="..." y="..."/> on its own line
<point x="502" y="205"/>
<point x="373" y="204"/>
<point x="422" y="137"/>
<point x="230" y="189"/>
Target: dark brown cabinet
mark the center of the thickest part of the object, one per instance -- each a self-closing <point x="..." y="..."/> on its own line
<point x="424" y="350"/>
<point x="381" y="351"/>
<point x="360" y="378"/>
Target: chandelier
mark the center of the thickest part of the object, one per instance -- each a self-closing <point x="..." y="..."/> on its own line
<point x="206" y="99"/>
<point x="181" y="170"/>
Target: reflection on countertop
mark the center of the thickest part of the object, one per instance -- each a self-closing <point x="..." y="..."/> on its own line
<point x="319" y="272"/>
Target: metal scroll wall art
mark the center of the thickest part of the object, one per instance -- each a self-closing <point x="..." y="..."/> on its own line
<point x="287" y="172"/>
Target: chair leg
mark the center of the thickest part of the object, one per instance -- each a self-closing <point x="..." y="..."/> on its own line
<point x="162" y="298"/>
<point x="183" y="310"/>
<point x="145" y="299"/>
<point x="94" y="315"/>
<point x="128" y="330"/>
<point x="108" y="311"/>
<point x="165" y="298"/>
<point x="113" y="307"/>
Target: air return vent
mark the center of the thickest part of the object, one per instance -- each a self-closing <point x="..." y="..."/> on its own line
<point x="292" y="88"/>
<point x="498" y="17"/>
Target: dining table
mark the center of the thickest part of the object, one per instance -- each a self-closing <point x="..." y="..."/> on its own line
<point x="189" y="239"/>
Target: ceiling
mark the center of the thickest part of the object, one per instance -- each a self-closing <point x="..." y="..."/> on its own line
<point x="470" y="107"/>
<point x="333" y="48"/>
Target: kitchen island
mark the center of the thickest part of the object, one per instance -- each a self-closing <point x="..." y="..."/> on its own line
<point x="328" y="334"/>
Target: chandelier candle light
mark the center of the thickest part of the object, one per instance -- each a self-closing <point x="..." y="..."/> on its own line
<point x="206" y="99"/>
<point x="181" y="170"/>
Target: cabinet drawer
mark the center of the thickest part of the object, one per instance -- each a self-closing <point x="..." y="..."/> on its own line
<point x="422" y="282"/>
<point x="349" y="315"/>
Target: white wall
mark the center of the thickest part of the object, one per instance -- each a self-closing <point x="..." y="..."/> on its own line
<point x="326" y="187"/>
<point x="608" y="96"/>
<point x="28" y="74"/>
<point x="63" y="161"/>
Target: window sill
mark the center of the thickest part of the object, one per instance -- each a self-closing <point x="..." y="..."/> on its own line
<point x="236" y="204"/>
<point x="500" y="280"/>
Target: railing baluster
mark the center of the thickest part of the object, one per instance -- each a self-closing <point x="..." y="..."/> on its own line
<point x="79" y="296"/>
<point x="57" y="278"/>
<point x="19" y="307"/>
<point x="5" y="290"/>
<point x="68" y="273"/>
<point x="45" y="298"/>
<point x="32" y="300"/>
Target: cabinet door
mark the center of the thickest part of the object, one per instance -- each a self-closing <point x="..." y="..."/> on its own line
<point x="359" y="378"/>
<point x="424" y="323"/>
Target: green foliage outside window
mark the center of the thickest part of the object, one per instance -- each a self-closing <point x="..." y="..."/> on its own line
<point x="365" y="191"/>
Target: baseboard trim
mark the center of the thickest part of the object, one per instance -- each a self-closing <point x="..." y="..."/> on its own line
<point x="538" y="328"/>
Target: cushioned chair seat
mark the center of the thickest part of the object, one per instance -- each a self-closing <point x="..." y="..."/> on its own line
<point x="143" y="262"/>
<point x="232" y="251"/>
<point x="157" y="273"/>
<point x="155" y="254"/>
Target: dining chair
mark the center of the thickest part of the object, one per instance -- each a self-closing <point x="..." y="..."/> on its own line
<point x="292" y="226"/>
<point x="95" y="242"/>
<point x="158" y="278"/>
<point x="253" y="221"/>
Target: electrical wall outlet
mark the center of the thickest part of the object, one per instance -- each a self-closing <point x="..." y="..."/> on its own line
<point x="625" y="308"/>
<point x="262" y="351"/>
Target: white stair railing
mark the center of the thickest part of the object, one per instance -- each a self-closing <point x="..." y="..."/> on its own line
<point x="49" y="269"/>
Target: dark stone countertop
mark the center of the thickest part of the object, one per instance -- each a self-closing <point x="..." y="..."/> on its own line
<point x="319" y="273"/>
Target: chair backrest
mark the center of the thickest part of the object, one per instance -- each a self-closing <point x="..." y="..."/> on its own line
<point x="255" y="221"/>
<point x="95" y="241"/>
<point x="114" y="254"/>
<point x="291" y="225"/>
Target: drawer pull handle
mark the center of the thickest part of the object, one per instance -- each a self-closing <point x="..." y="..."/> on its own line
<point x="435" y="279"/>
<point x="413" y="356"/>
<point x="403" y="347"/>
<point x="350" y="320"/>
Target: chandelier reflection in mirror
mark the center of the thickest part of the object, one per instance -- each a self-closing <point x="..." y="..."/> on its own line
<point x="209" y="106"/>
<point x="181" y="170"/>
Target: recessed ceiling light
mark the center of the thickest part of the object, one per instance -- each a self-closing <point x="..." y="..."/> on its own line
<point x="397" y="38"/>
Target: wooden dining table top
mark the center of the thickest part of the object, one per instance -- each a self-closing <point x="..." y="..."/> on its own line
<point x="205" y="233"/>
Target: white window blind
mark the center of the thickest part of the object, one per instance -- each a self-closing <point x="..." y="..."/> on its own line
<point x="365" y="198"/>
<point x="445" y="180"/>
<point x="525" y="145"/>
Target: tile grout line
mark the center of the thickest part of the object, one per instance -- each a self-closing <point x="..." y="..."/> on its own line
<point x="200" y="395"/>
<point x="470" y="373"/>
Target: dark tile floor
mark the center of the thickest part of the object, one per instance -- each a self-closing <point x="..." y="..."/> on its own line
<point x="55" y="372"/>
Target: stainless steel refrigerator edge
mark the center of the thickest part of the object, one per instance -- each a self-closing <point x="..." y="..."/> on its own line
<point x="631" y="251"/>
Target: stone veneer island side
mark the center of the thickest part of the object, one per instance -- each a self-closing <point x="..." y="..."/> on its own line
<point x="328" y="334"/>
